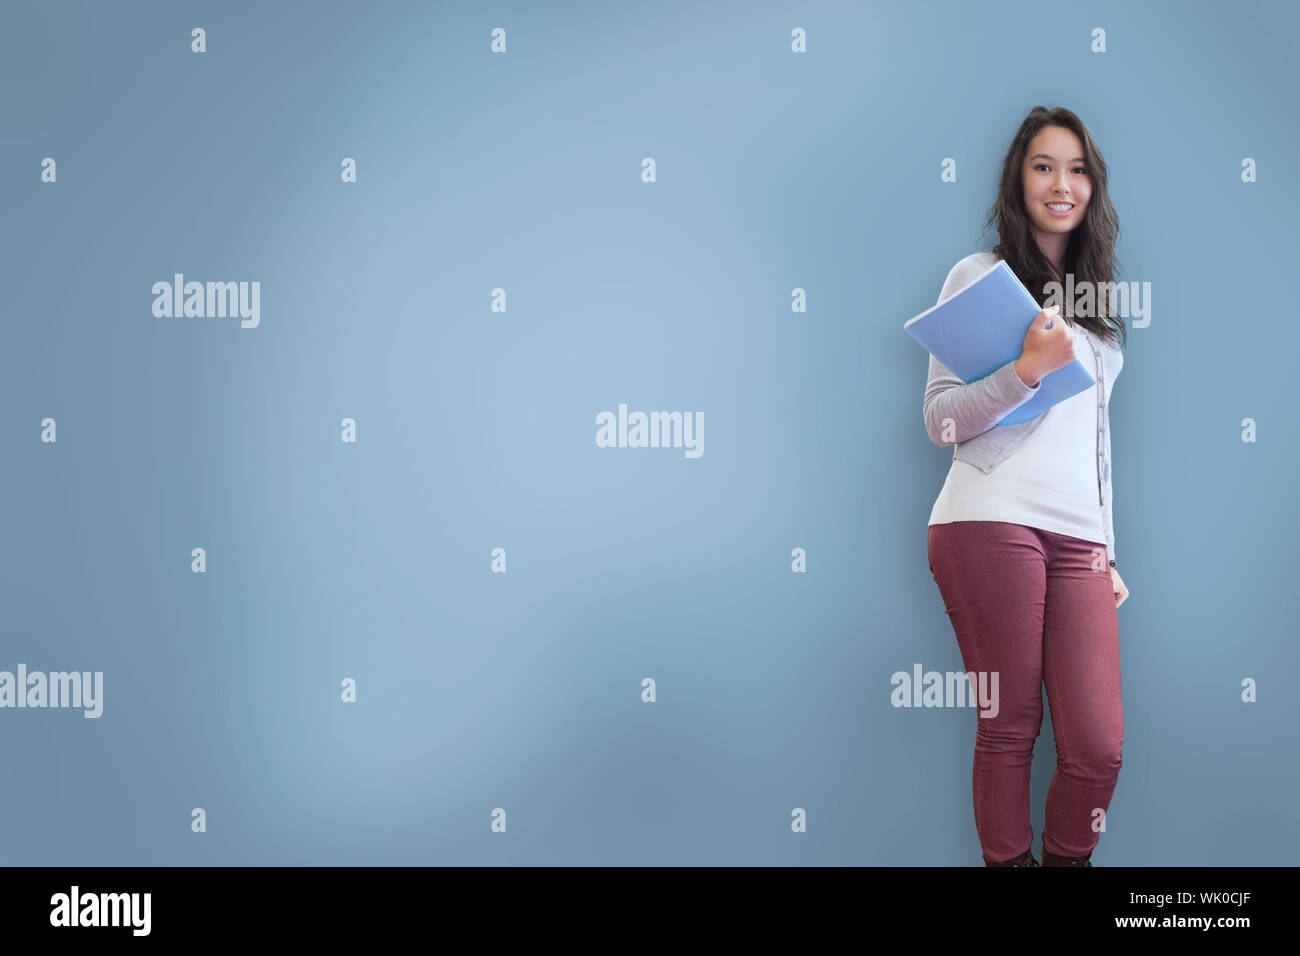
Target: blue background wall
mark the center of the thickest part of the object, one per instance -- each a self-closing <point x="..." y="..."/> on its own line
<point x="476" y="428"/>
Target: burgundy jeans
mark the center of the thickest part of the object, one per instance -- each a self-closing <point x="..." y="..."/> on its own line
<point x="1037" y="607"/>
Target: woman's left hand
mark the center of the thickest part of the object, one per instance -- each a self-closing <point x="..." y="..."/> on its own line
<point x="1121" y="592"/>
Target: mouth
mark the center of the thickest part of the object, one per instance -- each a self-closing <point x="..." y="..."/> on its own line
<point x="1060" y="209"/>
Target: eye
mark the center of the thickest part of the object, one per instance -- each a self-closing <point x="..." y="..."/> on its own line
<point x="1080" y="169"/>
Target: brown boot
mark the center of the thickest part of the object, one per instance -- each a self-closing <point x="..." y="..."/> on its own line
<point x="1024" y="859"/>
<point x="1051" y="859"/>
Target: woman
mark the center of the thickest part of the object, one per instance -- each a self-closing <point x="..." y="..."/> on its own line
<point x="1020" y="539"/>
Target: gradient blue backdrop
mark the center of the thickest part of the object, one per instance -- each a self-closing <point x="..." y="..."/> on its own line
<point x="476" y="429"/>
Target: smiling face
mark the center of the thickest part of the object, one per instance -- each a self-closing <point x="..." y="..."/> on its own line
<point x="1057" y="187"/>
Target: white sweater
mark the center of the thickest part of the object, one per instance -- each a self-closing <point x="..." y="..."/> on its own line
<point x="1049" y="483"/>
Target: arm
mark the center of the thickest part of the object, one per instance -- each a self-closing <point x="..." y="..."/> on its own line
<point x="977" y="407"/>
<point x="973" y="408"/>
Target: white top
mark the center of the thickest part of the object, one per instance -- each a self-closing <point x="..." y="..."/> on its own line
<point x="1049" y="483"/>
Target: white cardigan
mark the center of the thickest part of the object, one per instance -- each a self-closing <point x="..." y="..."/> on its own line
<point x="1049" y="483"/>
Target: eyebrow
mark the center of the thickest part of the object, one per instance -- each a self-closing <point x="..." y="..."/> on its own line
<point x="1077" y="159"/>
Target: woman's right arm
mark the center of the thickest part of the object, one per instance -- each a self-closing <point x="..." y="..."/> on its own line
<point x="954" y="411"/>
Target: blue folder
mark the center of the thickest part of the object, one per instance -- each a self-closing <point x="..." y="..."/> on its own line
<point x="982" y="328"/>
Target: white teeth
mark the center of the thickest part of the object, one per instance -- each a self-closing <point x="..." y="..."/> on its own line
<point x="1059" y="206"/>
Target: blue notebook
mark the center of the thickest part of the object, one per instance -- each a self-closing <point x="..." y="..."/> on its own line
<point x="982" y="328"/>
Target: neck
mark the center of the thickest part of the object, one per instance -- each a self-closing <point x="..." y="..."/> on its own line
<point x="1053" y="246"/>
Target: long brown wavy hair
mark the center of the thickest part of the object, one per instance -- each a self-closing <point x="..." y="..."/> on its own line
<point x="1090" y="252"/>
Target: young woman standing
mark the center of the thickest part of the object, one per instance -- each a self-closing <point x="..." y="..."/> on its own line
<point x="1020" y="539"/>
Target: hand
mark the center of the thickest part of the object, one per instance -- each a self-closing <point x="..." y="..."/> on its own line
<point x="1121" y="592"/>
<point x="1045" y="350"/>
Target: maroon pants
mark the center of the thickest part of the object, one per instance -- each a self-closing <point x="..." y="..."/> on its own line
<point x="1036" y="607"/>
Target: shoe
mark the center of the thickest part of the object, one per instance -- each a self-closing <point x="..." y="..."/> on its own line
<point x="1024" y="859"/>
<point x="1051" y="859"/>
